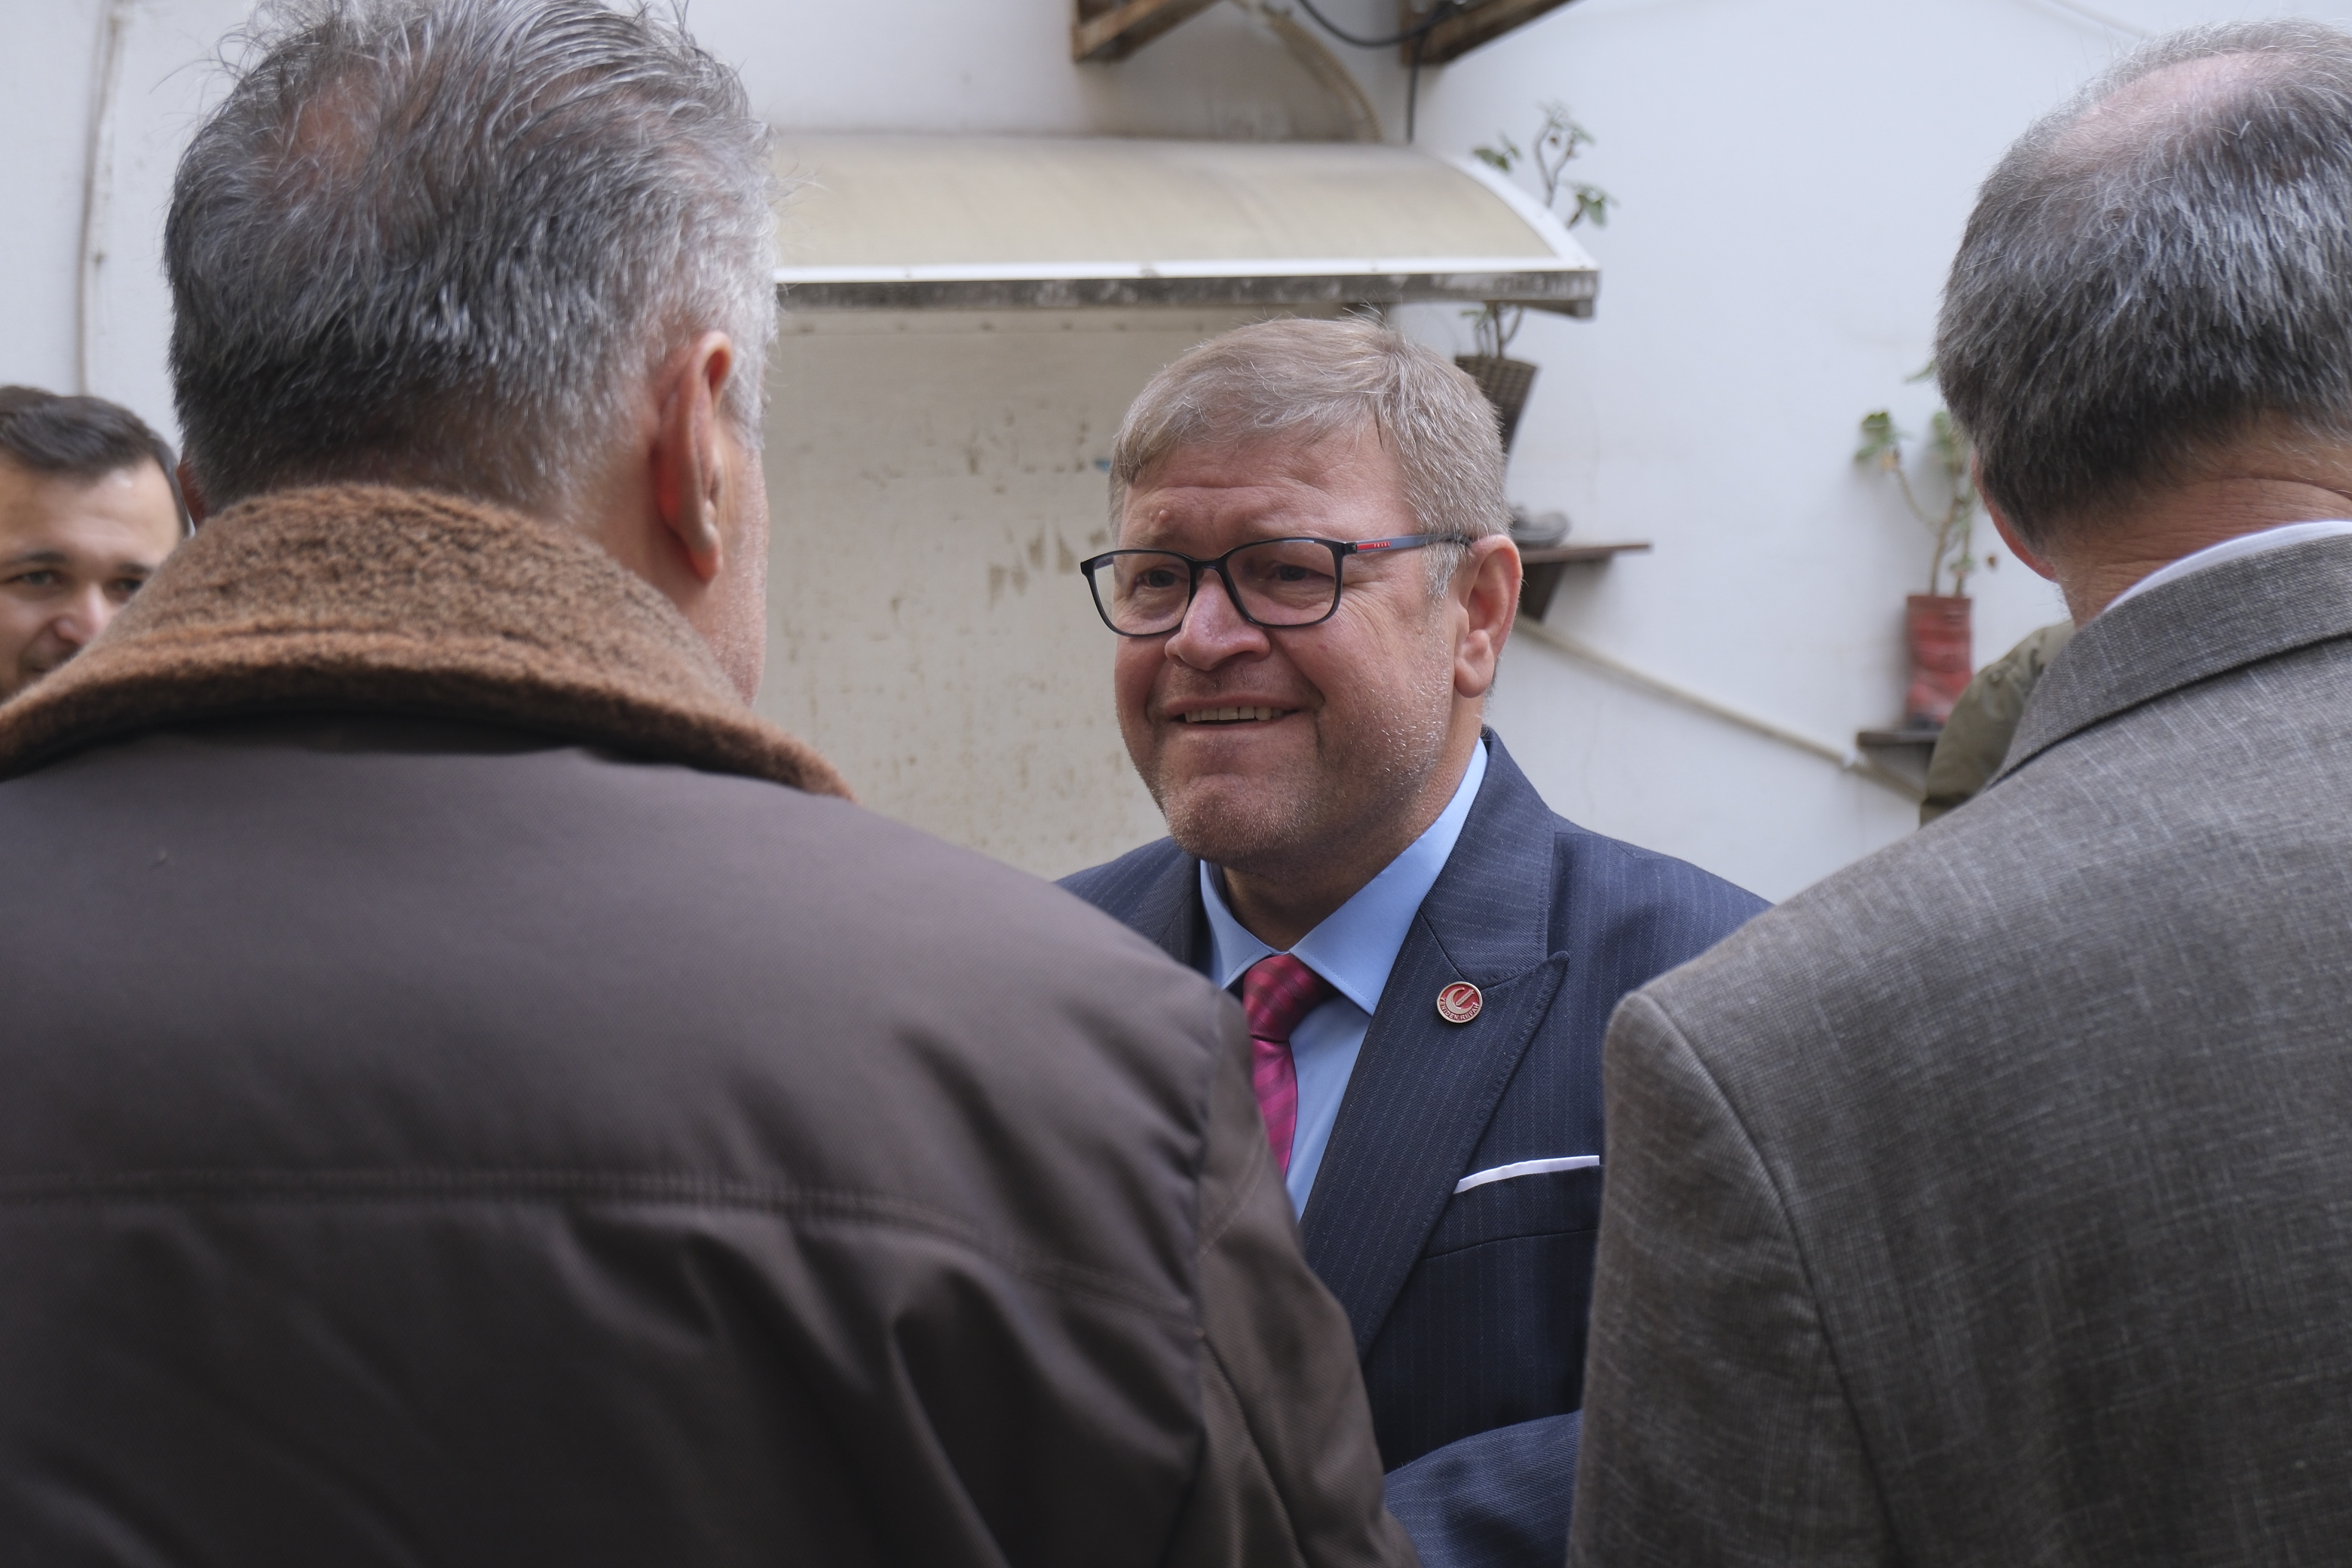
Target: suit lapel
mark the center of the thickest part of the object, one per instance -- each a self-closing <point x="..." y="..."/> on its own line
<point x="1169" y="912"/>
<point x="1423" y="1090"/>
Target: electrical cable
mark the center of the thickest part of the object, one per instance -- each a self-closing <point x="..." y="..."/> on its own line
<point x="1316" y="56"/>
<point x="1413" y="85"/>
<point x="1416" y="36"/>
<point x="98" y="190"/>
<point x="1444" y="9"/>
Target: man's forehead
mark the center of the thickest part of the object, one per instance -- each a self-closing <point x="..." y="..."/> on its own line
<point x="1265" y="459"/>
<point x="120" y="517"/>
<point x="1235" y="482"/>
<point x="1261" y="505"/>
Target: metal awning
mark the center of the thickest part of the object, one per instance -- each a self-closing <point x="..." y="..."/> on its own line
<point x="897" y="223"/>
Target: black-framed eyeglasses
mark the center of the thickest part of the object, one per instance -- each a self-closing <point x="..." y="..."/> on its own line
<point x="1272" y="581"/>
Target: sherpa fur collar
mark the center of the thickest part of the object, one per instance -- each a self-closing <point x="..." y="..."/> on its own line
<point x="360" y="598"/>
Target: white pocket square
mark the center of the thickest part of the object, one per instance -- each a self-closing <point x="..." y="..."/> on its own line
<point x="1526" y="1168"/>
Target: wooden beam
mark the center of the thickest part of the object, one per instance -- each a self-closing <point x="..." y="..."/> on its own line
<point x="1109" y="30"/>
<point x="1480" y="23"/>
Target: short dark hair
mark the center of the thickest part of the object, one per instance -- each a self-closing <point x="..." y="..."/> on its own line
<point x="438" y="242"/>
<point x="2145" y="279"/>
<point x="81" y="438"/>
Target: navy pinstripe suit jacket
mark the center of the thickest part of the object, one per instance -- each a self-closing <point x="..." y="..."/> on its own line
<point x="1469" y="1310"/>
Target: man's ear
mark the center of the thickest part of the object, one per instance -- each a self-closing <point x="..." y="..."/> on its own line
<point x="194" y="497"/>
<point x="2032" y="558"/>
<point x="688" y="471"/>
<point x="1486" y="592"/>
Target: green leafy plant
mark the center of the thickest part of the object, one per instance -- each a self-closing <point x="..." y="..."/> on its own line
<point x="1953" y="526"/>
<point x="1555" y="145"/>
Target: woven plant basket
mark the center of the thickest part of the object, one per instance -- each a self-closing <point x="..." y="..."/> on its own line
<point x="1506" y="383"/>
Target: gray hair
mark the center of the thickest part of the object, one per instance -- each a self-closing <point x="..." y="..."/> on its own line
<point x="441" y="242"/>
<point x="1301" y="382"/>
<point x="2150" y="275"/>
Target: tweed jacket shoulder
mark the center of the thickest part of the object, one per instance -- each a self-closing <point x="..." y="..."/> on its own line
<point x="463" y="1108"/>
<point x="1987" y="1202"/>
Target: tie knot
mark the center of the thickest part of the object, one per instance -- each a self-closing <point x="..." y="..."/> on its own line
<point x="1277" y="992"/>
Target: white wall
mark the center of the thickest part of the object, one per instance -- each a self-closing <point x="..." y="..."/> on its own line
<point x="47" y="75"/>
<point x="1793" y="174"/>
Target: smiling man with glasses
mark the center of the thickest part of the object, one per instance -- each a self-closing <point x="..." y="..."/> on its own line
<point x="1312" y="585"/>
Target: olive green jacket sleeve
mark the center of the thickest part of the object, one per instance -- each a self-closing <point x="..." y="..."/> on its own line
<point x="1976" y="737"/>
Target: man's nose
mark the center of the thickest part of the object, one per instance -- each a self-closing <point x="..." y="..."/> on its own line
<point x="84" y="617"/>
<point x="1212" y="630"/>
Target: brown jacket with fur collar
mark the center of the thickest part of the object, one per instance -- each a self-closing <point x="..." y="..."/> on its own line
<point x="461" y="1109"/>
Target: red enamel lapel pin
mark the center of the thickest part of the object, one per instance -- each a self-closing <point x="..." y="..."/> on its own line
<point x="1459" y="1002"/>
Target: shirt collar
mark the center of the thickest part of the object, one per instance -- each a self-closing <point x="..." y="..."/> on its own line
<point x="1358" y="944"/>
<point x="2230" y="550"/>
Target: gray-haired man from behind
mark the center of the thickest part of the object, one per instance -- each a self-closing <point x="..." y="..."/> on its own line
<point x="1987" y="1202"/>
<point x="475" y="1094"/>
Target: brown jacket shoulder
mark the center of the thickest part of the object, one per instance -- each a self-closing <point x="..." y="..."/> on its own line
<point x="491" y="1129"/>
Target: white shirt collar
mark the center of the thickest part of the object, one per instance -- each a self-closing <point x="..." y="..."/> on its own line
<point x="1357" y="945"/>
<point x="2230" y="550"/>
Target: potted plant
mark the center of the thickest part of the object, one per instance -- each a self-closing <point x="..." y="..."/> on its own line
<point x="1507" y="382"/>
<point x="1935" y="624"/>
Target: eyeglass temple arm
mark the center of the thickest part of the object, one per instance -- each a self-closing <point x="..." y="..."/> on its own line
<point x="1402" y="542"/>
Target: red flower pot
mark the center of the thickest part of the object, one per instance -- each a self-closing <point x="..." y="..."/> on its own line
<point x="1937" y="627"/>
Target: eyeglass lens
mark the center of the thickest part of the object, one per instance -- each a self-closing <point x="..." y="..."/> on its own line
<point x="1281" y="583"/>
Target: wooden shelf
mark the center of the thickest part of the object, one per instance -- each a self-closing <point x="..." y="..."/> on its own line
<point x="1562" y="555"/>
<point x="1924" y="740"/>
<point x="1543" y="566"/>
<point x="1903" y="752"/>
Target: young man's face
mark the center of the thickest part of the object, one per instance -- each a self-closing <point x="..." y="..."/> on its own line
<point x="72" y="551"/>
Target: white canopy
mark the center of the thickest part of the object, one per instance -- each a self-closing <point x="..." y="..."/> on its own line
<point x="991" y="222"/>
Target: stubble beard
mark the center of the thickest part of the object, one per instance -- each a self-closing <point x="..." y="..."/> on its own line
<point x="29" y="670"/>
<point x="1278" y="825"/>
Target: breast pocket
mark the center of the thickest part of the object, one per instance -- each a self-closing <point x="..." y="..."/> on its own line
<point x="1525" y="1199"/>
<point x="1489" y="1329"/>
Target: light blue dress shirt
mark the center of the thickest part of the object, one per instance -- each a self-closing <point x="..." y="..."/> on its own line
<point x="1354" y="949"/>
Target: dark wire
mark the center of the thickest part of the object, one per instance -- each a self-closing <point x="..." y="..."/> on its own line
<point x="1444" y="9"/>
<point x="1416" y="38"/>
<point x="1413" y="87"/>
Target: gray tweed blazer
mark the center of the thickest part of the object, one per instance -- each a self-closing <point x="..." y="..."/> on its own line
<point x="1991" y="1201"/>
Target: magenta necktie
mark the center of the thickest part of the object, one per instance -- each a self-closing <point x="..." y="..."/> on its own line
<point x="1277" y="992"/>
